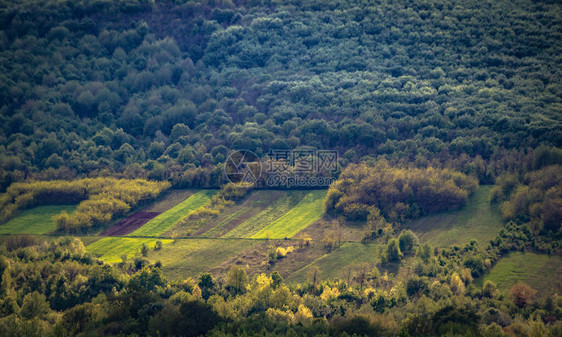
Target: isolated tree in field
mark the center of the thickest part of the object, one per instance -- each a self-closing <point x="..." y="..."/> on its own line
<point x="236" y="281"/>
<point x="144" y="250"/>
<point x="522" y="294"/>
<point x="314" y="275"/>
<point x="362" y="275"/>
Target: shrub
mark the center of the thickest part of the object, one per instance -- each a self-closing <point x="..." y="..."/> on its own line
<point x="522" y="294"/>
<point x="408" y="240"/>
<point x="393" y="252"/>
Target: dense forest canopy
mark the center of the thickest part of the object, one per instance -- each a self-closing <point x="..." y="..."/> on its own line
<point x="163" y="89"/>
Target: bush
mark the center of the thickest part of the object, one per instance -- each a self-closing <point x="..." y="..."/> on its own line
<point x="407" y="241"/>
<point x="393" y="252"/>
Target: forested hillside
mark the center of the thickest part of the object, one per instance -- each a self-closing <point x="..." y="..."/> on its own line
<point x="162" y="89"/>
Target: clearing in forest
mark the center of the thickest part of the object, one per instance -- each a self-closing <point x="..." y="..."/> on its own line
<point x="540" y="271"/>
<point x="478" y="220"/>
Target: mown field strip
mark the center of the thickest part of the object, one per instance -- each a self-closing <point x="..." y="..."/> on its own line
<point x="542" y="272"/>
<point x="190" y="257"/>
<point x="306" y="212"/>
<point x="333" y="265"/>
<point x="478" y="220"/>
<point x="273" y="211"/>
<point x="169" y="200"/>
<point x="168" y="219"/>
<point x="36" y="220"/>
<point x="255" y="203"/>
<point x="111" y="249"/>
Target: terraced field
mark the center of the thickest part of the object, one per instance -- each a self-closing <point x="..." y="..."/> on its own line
<point x="304" y="214"/>
<point x="232" y="218"/>
<point x="242" y="234"/>
<point x="190" y="257"/>
<point x="236" y="230"/>
<point x="169" y="218"/>
<point x="36" y="220"/>
<point x="272" y="211"/>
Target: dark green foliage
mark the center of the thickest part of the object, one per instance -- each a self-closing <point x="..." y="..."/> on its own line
<point x="100" y="86"/>
<point x="356" y="325"/>
<point x="393" y="252"/>
<point x="276" y="279"/>
<point x="455" y="321"/>
<point x="407" y="241"/>
<point x="416" y="286"/>
<point x="194" y="319"/>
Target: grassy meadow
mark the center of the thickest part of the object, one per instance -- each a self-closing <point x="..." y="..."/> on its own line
<point x="37" y="220"/>
<point x="478" y="220"/>
<point x="111" y="249"/>
<point x="304" y="214"/>
<point x="336" y="264"/>
<point x="169" y="218"/>
<point x="540" y="271"/>
<point x="190" y="257"/>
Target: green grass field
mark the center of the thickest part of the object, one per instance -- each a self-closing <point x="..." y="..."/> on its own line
<point x="273" y="211"/>
<point x="111" y="249"/>
<point x="540" y="271"/>
<point x="232" y="217"/>
<point x="190" y="257"/>
<point x="36" y="220"/>
<point x="306" y="212"/>
<point x="168" y="219"/>
<point x="336" y="264"/>
<point x="478" y="220"/>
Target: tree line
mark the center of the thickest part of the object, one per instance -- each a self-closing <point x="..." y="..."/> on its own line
<point x="99" y="199"/>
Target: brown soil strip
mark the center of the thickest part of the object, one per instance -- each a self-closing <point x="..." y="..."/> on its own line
<point x="130" y="224"/>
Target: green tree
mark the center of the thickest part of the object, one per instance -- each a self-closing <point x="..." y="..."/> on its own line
<point x="276" y="279"/>
<point x="393" y="252"/>
<point x="407" y="241"/>
<point x="34" y="305"/>
<point x="236" y="280"/>
<point x="144" y="250"/>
